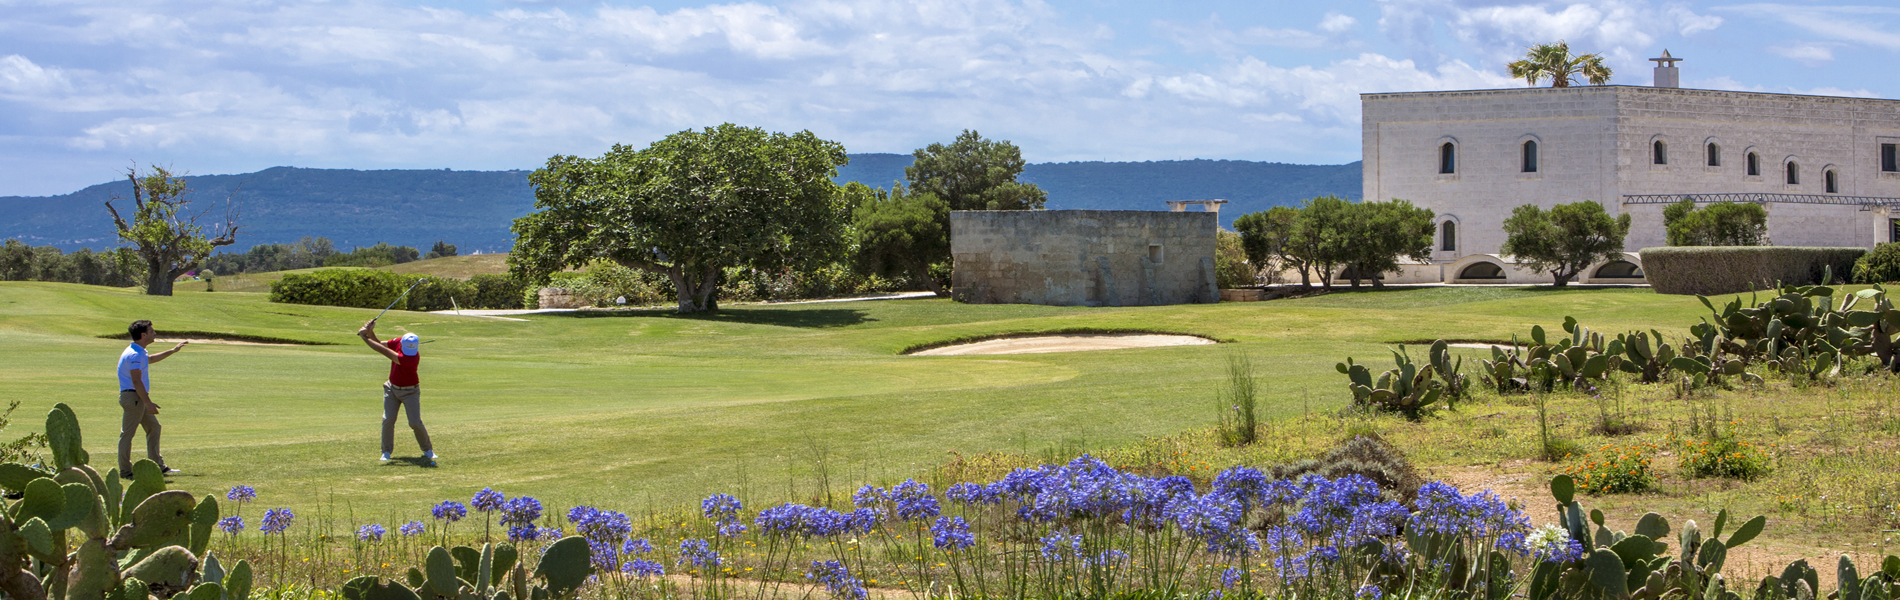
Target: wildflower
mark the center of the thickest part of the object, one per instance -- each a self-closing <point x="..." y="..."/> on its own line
<point x="913" y="500"/>
<point x="412" y="528"/>
<point x="551" y="533"/>
<point x="1368" y="592"/>
<point x="867" y="496"/>
<point x="698" y="552"/>
<point x="523" y="510"/>
<point x="231" y="525"/>
<point x="952" y="534"/>
<point x="370" y="533"/>
<point x="721" y="508"/>
<point x="524" y="533"/>
<point x="639" y="546"/>
<point x="1551" y="543"/>
<point x="643" y="568"/>
<point x="488" y="500"/>
<point x="276" y="520"/>
<point x="450" y="510"/>
<point x="1052" y="546"/>
<point x="241" y="494"/>
<point x="838" y="579"/>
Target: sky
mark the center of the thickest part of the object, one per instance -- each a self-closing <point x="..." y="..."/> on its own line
<point x="89" y="88"/>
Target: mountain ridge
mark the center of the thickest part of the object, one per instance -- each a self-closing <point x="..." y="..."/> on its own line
<point x="474" y="209"/>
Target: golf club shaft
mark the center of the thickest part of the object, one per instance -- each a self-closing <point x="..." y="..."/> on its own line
<point x="392" y="303"/>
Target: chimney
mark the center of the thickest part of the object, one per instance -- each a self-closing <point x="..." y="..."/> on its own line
<point x="1666" y="74"/>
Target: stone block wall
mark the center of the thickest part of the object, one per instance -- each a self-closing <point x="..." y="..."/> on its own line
<point x="1083" y="257"/>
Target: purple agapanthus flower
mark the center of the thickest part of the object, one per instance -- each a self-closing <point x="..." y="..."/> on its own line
<point x="412" y="528"/>
<point x="276" y="520"/>
<point x="449" y="510"/>
<point x="371" y="533"/>
<point x="241" y="494"/>
<point x="231" y="525"/>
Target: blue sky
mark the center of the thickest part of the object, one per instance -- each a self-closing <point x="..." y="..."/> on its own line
<point x="89" y="87"/>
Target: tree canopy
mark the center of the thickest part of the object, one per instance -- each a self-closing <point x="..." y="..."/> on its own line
<point x="1566" y="239"/>
<point x="1327" y="233"/>
<point x="1717" y="224"/>
<point x="1556" y="62"/>
<point x="687" y="207"/>
<point x="973" y="173"/>
<point x="901" y="234"/>
<point x="164" y="233"/>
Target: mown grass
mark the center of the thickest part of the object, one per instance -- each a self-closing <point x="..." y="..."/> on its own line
<point x="651" y="408"/>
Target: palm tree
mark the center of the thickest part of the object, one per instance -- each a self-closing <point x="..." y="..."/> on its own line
<point x="1556" y="61"/>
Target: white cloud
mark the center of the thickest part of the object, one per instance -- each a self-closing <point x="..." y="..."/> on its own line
<point x="1623" y="31"/>
<point x="1867" y="25"/>
<point x="21" y="77"/>
<point x="1806" y="53"/>
<point x="1337" y="23"/>
<point x="1729" y="83"/>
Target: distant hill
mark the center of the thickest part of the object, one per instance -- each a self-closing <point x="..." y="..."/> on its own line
<point x="473" y="209"/>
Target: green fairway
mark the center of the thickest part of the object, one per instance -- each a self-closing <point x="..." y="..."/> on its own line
<point x="643" y="409"/>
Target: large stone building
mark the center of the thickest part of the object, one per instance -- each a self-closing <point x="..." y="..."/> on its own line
<point x="1083" y="257"/>
<point x="1825" y="167"/>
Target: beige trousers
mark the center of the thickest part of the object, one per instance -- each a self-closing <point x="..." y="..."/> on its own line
<point x="409" y="400"/>
<point x="135" y="416"/>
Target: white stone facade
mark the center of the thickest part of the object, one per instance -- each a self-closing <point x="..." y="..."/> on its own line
<point x="1599" y="143"/>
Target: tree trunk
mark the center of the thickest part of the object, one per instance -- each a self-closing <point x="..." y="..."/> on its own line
<point x="922" y="273"/>
<point x="681" y="290"/>
<point x="1562" y="279"/>
<point x="158" y="279"/>
<point x="709" y="281"/>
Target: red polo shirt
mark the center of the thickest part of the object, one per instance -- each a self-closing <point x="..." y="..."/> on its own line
<point x="403" y="372"/>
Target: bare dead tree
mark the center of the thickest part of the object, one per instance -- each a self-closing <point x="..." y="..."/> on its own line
<point x="166" y="235"/>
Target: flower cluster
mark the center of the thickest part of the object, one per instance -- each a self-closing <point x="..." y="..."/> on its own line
<point x="1724" y="455"/>
<point x="487" y="500"/>
<point x="913" y="501"/>
<point x="519" y="515"/>
<point x="412" y="528"/>
<point x="699" y="553"/>
<point x="241" y="494"/>
<point x="838" y="579"/>
<point x="1615" y="470"/>
<point x="1551" y="543"/>
<point x="605" y="530"/>
<point x="952" y="533"/>
<point x="231" y="525"/>
<point x="276" y="520"/>
<point x="723" y="509"/>
<point x="449" y="510"/>
<point x="799" y="520"/>
<point x="1482" y="516"/>
<point x="371" y="533"/>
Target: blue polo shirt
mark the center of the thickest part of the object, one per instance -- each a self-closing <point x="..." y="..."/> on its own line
<point x="134" y="357"/>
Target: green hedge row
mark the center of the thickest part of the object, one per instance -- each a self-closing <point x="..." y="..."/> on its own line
<point x="372" y="288"/>
<point x="1710" y="270"/>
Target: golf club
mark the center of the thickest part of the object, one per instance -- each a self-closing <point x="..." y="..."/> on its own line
<point x="392" y="303"/>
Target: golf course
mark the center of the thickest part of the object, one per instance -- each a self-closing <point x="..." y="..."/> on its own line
<point x="647" y="409"/>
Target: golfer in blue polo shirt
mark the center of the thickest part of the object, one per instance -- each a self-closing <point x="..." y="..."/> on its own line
<point x="135" y="396"/>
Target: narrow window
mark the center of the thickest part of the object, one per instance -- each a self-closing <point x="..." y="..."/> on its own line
<point x="1890" y="157"/>
<point x="1893" y="230"/>
<point x="1659" y="152"/>
<point x="1530" y="156"/>
<point x="1447" y="158"/>
<point x="1794" y="173"/>
<point x="1833" y="182"/>
<point x="1449" y="232"/>
<point x="1754" y="165"/>
<point x="1715" y="155"/>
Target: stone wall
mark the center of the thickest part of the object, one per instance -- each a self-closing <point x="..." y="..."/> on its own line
<point x="1083" y="257"/>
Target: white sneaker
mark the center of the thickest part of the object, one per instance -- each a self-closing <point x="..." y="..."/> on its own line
<point x="385" y="457"/>
<point x="430" y="455"/>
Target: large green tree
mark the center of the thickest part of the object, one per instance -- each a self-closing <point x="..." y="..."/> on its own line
<point x="163" y="231"/>
<point x="1383" y="232"/>
<point x="1266" y="236"/>
<point x="1564" y="240"/>
<point x="1555" y="61"/>
<point x="973" y="173"/>
<point x="1321" y="237"/>
<point x="687" y="207"/>
<point x="901" y="233"/>
<point x="1718" y="224"/>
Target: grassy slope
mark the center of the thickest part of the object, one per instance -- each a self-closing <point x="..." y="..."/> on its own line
<point x="652" y="407"/>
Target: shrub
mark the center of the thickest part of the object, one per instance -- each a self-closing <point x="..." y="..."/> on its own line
<point x="1710" y="270"/>
<point x="1880" y="266"/>
<point x="494" y="291"/>
<point x="358" y="288"/>
<point x="436" y="293"/>
<point x="1366" y="455"/>
<point x="1724" y="455"/>
<point x="1615" y="470"/>
<point x="1231" y="269"/>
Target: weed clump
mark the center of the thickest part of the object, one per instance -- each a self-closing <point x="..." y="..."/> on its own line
<point x="1366" y="455"/>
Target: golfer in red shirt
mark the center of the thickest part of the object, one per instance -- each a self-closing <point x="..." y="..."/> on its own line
<point x="403" y="390"/>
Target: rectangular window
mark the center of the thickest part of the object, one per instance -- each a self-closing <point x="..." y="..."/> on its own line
<point x="1890" y="157"/>
<point x="1530" y="158"/>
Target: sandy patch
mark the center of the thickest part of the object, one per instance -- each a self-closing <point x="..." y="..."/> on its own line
<point x="1065" y="343"/>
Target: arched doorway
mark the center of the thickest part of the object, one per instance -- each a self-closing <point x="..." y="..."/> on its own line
<point x="1619" y="269"/>
<point x="1483" y="271"/>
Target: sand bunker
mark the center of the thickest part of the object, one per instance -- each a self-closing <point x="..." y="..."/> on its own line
<point x="1065" y="343"/>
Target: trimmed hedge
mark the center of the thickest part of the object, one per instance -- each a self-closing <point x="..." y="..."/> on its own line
<point x="371" y="288"/>
<point x="1710" y="270"/>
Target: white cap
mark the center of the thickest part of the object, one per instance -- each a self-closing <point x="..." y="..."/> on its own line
<point x="410" y="344"/>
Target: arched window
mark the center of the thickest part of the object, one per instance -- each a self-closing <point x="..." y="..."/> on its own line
<point x="1530" y="156"/>
<point x="1448" y="234"/>
<point x="1715" y="154"/>
<point x="1619" y="269"/>
<point x="1447" y="158"/>
<point x="1754" y="164"/>
<point x="1659" y="152"/>
<point x="1794" y="173"/>
<point x="1482" y="270"/>
<point x="1833" y="182"/>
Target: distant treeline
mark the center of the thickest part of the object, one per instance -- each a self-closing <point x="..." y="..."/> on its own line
<point x="117" y="268"/>
<point x="314" y="252"/>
